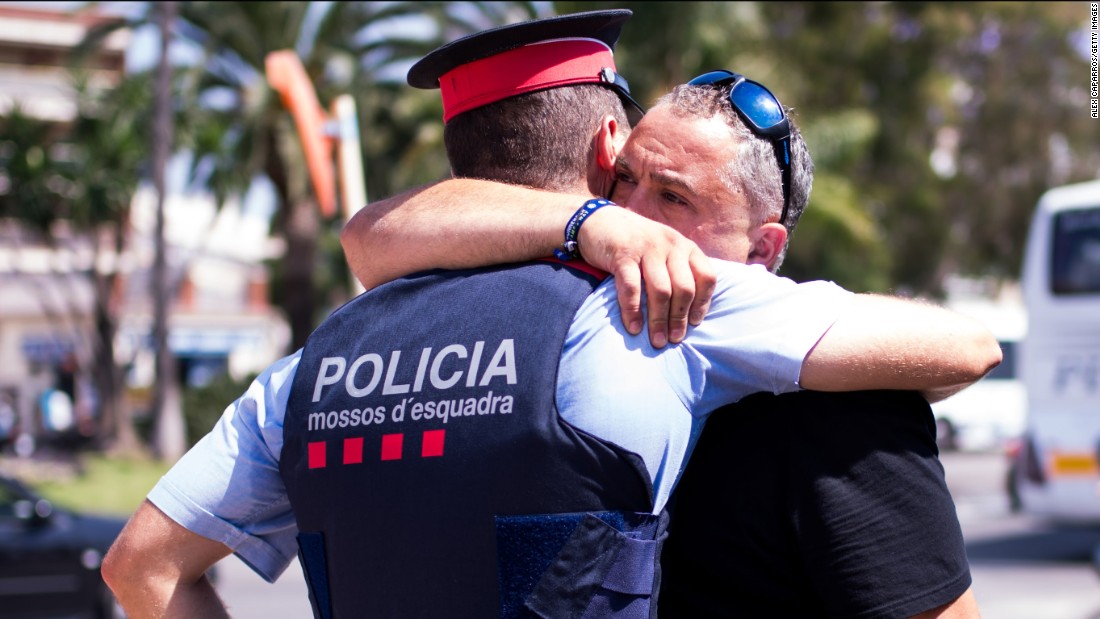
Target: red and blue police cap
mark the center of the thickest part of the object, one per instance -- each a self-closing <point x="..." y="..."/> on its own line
<point x="503" y="62"/>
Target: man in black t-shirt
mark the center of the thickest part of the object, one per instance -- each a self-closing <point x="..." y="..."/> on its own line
<point x="816" y="505"/>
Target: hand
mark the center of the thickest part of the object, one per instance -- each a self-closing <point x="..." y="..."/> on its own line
<point x="679" y="278"/>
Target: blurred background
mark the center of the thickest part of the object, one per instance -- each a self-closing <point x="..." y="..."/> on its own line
<point x="162" y="239"/>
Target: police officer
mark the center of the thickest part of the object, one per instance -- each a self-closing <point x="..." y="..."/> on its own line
<point x="476" y="472"/>
<point x="423" y="459"/>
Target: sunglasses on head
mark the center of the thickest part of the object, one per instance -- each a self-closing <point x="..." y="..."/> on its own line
<point x="764" y="116"/>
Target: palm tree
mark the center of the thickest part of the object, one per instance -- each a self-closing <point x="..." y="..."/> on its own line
<point x="238" y="128"/>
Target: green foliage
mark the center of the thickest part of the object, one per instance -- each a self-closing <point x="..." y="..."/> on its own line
<point x="936" y="124"/>
<point x="836" y="220"/>
<point x="238" y="128"/>
<point x="85" y="173"/>
<point x="836" y="237"/>
<point x="203" y="406"/>
<point x="104" y="485"/>
<point x="29" y="171"/>
<point x="111" y="152"/>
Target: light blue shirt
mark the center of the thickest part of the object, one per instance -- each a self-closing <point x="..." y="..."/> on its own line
<point x="610" y="384"/>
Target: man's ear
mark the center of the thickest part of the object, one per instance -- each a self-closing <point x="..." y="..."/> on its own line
<point x="767" y="243"/>
<point x="609" y="139"/>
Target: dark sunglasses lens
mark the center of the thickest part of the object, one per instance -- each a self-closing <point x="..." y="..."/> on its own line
<point x="712" y="77"/>
<point x="758" y="104"/>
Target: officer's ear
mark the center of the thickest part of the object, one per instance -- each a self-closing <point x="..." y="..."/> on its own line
<point x="609" y="139"/>
<point x="767" y="243"/>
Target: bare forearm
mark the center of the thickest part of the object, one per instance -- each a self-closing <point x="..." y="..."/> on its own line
<point x="454" y="224"/>
<point x="150" y="598"/>
<point x="156" y="568"/>
<point x="465" y="223"/>
<point x="887" y="343"/>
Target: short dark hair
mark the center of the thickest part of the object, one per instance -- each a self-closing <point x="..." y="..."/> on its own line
<point x="755" y="172"/>
<point x="541" y="139"/>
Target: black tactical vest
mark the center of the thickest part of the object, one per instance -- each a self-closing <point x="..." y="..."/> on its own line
<point x="429" y="471"/>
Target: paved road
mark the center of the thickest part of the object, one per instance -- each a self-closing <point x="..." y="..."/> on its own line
<point x="250" y="597"/>
<point x="1023" y="568"/>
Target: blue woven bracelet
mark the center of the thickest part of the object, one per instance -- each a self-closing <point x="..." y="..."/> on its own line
<point x="570" y="250"/>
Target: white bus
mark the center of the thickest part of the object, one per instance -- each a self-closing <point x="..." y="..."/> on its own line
<point x="1056" y="471"/>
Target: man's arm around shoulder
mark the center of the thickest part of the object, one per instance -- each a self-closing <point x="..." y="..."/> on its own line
<point x="891" y="343"/>
<point x="157" y="568"/>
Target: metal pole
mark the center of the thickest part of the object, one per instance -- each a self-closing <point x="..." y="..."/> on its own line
<point x="350" y="160"/>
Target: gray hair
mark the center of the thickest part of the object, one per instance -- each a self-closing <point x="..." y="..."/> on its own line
<point x="754" y="171"/>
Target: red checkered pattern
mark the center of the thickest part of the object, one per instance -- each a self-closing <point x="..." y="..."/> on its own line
<point x="317" y="455"/>
<point x="353" y="450"/>
<point x="392" y="448"/>
<point x="432" y="446"/>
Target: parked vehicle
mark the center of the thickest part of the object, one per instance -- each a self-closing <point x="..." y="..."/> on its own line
<point x="987" y="415"/>
<point x="1056" y="469"/>
<point x="50" y="558"/>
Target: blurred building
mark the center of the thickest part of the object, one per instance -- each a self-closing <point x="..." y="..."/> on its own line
<point x="35" y="55"/>
<point x="220" y="319"/>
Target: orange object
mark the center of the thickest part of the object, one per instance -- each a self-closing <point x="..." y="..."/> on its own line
<point x="1073" y="464"/>
<point x="288" y="77"/>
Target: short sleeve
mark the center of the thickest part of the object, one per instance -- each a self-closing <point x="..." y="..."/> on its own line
<point x="757" y="334"/>
<point x="876" y="520"/>
<point x="227" y="487"/>
<point x="814" y="504"/>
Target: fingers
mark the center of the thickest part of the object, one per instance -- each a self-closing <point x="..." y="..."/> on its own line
<point x="604" y="245"/>
<point x="706" y="280"/>
<point x="678" y="277"/>
<point x="658" y="290"/>
<point x="628" y="284"/>
<point x="683" y="287"/>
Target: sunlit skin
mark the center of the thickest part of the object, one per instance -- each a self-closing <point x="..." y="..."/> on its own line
<point x="665" y="172"/>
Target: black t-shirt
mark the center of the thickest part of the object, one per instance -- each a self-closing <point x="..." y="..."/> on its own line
<point x="814" y="505"/>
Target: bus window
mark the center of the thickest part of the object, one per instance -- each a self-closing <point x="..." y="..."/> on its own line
<point x="1075" y="260"/>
